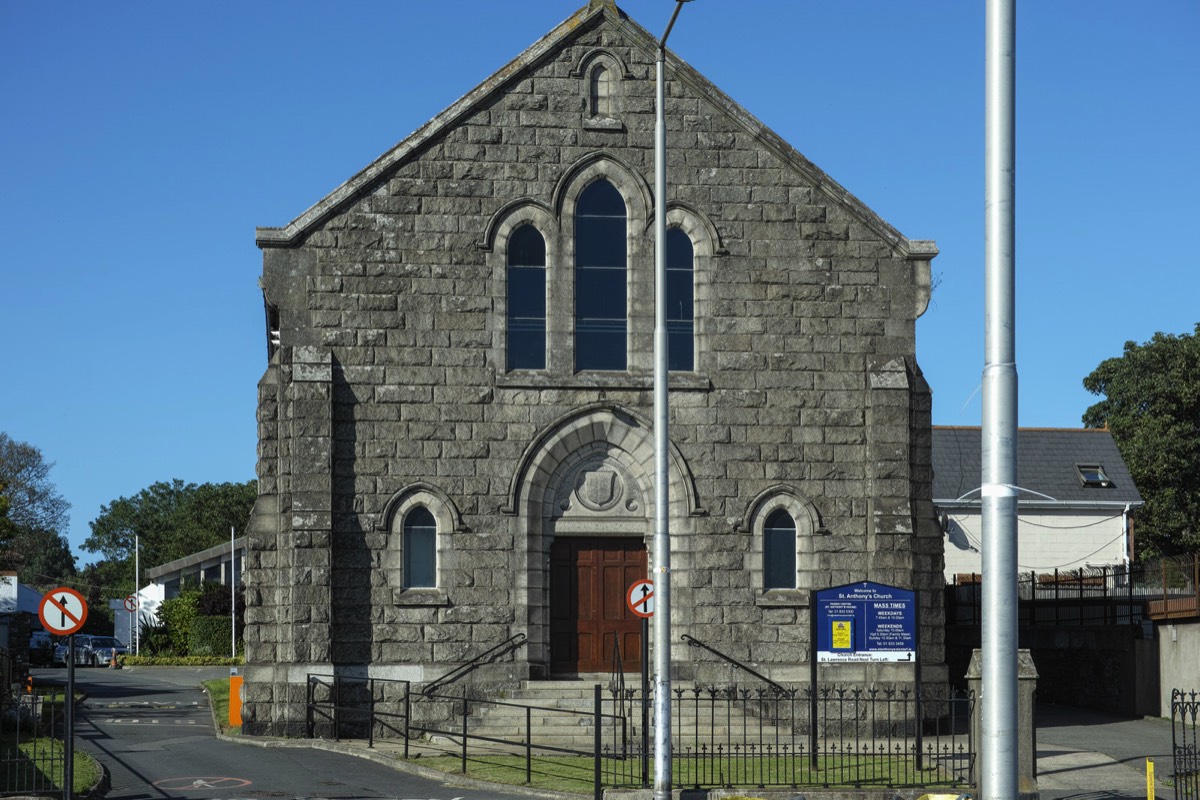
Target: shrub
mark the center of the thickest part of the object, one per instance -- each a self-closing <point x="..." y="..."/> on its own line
<point x="209" y="636"/>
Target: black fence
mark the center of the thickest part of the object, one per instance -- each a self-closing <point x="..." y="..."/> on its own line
<point x="1122" y="594"/>
<point x="720" y="736"/>
<point x="1185" y="706"/>
<point x="32" y="756"/>
<point x="737" y="736"/>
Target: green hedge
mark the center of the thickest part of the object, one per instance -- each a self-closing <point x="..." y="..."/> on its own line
<point x="181" y="661"/>
<point x="209" y="636"/>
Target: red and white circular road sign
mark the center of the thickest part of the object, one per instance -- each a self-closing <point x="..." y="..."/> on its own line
<point x="62" y="611"/>
<point x="640" y="598"/>
<point x="131" y="603"/>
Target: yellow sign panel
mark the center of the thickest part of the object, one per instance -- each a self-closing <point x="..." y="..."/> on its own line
<point x="842" y="636"/>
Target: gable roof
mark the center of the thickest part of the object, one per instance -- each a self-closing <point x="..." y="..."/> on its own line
<point x="1046" y="463"/>
<point x="594" y="13"/>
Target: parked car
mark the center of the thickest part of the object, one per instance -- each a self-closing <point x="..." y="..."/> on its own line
<point x="90" y="650"/>
<point x="60" y="651"/>
<point x="99" y="651"/>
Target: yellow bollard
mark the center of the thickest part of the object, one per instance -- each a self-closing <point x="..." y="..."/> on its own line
<point x="1149" y="779"/>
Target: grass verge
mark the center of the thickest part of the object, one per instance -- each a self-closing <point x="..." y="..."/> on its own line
<point x="34" y="766"/>
<point x="575" y="774"/>
<point x="218" y="697"/>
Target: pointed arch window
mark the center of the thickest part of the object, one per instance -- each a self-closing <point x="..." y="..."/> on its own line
<point x="526" y="299"/>
<point x="779" y="551"/>
<point x="601" y="301"/>
<point x="420" y="549"/>
<point x="681" y="324"/>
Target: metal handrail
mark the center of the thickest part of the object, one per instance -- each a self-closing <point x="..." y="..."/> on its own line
<point x="489" y="655"/>
<point x="693" y="642"/>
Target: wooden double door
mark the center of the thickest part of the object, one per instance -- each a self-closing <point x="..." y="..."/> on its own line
<point x="589" y="579"/>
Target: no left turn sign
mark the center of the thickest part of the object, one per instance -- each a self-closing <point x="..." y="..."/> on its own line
<point x="62" y="611"/>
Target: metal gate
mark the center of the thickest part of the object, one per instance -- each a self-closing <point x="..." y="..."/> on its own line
<point x="1184" y="748"/>
<point x="32" y="758"/>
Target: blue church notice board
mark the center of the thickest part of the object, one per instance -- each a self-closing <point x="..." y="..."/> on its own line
<point x="866" y="622"/>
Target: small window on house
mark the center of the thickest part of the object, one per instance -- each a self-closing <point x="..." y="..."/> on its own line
<point x="601" y="93"/>
<point x="779" y="551"/>
<point x="601" y="303"/>
<point x="526" y="299"/>
<point x="1094" y="475"/>
<point x="681" y="352"/>
<point x="420" y="549"/>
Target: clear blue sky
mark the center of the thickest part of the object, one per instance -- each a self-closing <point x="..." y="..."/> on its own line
<point x="141" y="143"/>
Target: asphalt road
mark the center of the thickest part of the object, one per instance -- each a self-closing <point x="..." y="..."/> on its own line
<point x="152" y="728"/>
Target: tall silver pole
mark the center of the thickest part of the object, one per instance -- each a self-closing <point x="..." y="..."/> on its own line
<point x="232" y="596"/>
<point x="662" y="494"/>
<point x="137" y="596"/>
<point x="999" y="746"/>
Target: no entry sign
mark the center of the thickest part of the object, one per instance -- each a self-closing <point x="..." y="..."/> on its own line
<point x="62" y="611"/>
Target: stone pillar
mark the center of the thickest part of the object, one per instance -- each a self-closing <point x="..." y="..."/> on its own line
<point x="1026" y="691"/>
<point x="288" y="568"/>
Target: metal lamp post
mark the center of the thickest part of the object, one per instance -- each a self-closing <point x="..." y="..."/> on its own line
<point x="662" y="535"/>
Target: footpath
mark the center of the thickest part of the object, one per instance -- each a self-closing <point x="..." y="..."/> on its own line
<point x="1090" y="755"/>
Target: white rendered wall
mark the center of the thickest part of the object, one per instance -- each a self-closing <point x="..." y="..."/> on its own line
<point x="1047" y="540"/>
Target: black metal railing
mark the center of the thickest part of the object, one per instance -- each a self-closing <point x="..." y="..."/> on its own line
<point x="694" y="642"/>
<point x="467" y="667"/>
<point x="351" y="707"/>
<point x="727" y="736"/>
<point x="1185" y="749"/>
<point x="1121" y="594"/>
<point x="738" y="736"/>
<point x="32" y="752"/>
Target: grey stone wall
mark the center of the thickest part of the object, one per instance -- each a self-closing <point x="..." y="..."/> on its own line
<point x="389" y="384"/>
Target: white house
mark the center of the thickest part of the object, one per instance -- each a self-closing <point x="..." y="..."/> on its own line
<point x="1073" y="506"/>
<point x="222" y="564"/>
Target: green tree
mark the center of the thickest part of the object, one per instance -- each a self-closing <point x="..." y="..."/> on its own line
<point x="46" y="558"/>
<point x="33" y="516"/>
<point x="1152" y="406"/>
<point x="34" y="502"/>
<point x="170" y="520"/>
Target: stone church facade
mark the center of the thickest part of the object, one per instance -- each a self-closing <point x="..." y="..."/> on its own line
<point x="455" y="424"/>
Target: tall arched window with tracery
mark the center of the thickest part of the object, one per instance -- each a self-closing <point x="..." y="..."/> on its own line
<point x="601" y="293"/>
<point x="526" y="299"/>
<point x="681" y="324"/>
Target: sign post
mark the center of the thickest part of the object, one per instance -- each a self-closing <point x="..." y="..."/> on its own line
<point x="867" y="622"/>
<point x="640" y="599"/>
<point x="63" y="612"/>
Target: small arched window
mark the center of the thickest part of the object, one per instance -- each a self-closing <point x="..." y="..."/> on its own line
<point x="779" y="551"/>
<point x="526" y="299"/>
<point x="681" y="352"/>
<point x="601" y="301"/>
<point x="420" y="549"/>
<point x="601" y="93"/>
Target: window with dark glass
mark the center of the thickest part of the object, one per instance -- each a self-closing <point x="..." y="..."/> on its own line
<point x="680" y="302"/>
<point x="779" y="551"/>
<point x="420" y="549"/>
<point x="601" y="308"/>
<point x="526" y="299"/>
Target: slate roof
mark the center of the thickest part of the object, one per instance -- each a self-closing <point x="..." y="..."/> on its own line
<point x="1046" y="463"/>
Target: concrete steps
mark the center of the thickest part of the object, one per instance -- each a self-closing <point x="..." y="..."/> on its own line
<point x="560" y="714"/>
